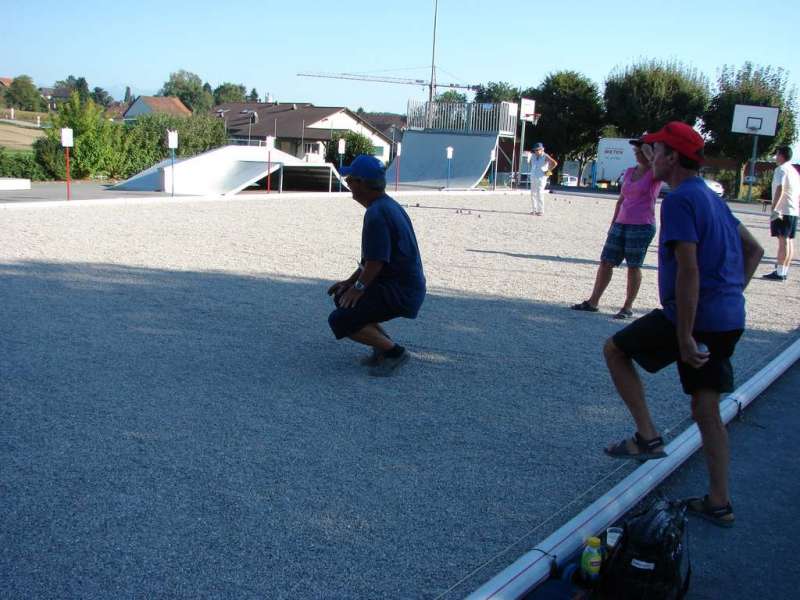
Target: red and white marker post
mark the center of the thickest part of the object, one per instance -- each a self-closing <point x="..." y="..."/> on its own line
<point x="67" y="142"/>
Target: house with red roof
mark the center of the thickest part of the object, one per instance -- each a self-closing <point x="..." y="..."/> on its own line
<point x="300" y="128"/>
<point x="165" y="105"/>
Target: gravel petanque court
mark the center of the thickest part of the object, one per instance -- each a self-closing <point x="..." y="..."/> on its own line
<point x="176" y="419"/>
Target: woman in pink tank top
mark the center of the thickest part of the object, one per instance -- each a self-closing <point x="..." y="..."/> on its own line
<point x="632" y="229"/>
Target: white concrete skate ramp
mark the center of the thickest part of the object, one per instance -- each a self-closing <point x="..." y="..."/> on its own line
<point x="423" y="162"/>
<point x="148" y="180"/>
<point x="223" y="171"/>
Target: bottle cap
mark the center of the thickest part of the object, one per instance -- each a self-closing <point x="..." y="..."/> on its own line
<point x="593" y="542"/>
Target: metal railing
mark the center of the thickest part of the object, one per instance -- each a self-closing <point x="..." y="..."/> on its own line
<point x="468" y="117"/>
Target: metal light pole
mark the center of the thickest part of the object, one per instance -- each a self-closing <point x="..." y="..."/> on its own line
<point x="172" y="143"/>
<point x="493" y="168"/>
<point x="752" y="176"/>
<point x="432" y="90"/>
<point x="270" y="146"/>
<point x="398" y="152"/>
<point x="67" y="143"/>
<point x="449" y="161"/>
<point x="341" y="149"/>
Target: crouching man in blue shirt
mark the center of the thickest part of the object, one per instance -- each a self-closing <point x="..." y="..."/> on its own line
<point x="389" y="282"/>
<point x="706" y="258"/>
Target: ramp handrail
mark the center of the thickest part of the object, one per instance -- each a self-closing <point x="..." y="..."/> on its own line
<point x="466" y="117"/>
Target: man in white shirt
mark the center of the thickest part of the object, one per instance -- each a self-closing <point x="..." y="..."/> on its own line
<point x="783" y="220"/>
<point x="541" y="165"/>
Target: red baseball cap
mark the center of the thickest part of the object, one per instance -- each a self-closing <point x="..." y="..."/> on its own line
<point x="680" y="137"/>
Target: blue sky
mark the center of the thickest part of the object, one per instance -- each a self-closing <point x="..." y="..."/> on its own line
<point x="263" y="44"/>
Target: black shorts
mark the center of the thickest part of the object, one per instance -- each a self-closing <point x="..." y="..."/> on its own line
<point x="786" y="227"/>
<point x="652" y="342"/>
<point x="373" y="307"/>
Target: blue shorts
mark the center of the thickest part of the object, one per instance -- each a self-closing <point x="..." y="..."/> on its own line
<point x="786" y="227"/>
<point x="629" y="242"/>
<point x="375" y="306"/>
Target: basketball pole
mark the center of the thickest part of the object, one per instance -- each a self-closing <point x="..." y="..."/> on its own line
<point x="752" y="168"/>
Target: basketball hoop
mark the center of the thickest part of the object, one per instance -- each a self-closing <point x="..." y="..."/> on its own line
<point x="531" y="118"/>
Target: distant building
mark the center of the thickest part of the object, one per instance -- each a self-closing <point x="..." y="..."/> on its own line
<point x="54" y="96"/>
<point x="116" y="111"/>
<point x="5" y="82"/>
<point x="391" y="125"/>
<point x="147" y="105"/>
<point x="300" y="129"/>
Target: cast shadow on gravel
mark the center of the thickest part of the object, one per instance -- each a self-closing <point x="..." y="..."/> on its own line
<point x="202" y="434"/>
<point x="564" y="259"/>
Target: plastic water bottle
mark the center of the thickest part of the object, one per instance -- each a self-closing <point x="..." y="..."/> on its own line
<point x="591" y="560"/>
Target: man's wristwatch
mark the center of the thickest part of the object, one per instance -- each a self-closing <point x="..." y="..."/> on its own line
<point x="359" y="286"/>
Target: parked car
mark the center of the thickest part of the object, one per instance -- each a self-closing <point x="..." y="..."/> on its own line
<point x="714" y="186"/>
<point x="569" y="181"/>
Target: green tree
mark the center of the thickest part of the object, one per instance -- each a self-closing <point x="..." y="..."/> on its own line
<point x="74" y="84"/>
<point x="572" y="116"/>
<point x="646" y="95"/>
<point x="92" y="134"/>
<point x="229" y="92"/>
<point x="757" y="86"/>
<point x="190" y="89"/>
<point x="452" y="97"/>
<point x="101" y="97"/>
<point x="253" y="97"/>
<point x="23" y="94"/>
<point x="499" y="91"/>
<point x="128" y="95"/>
<point x="355" y="144"/>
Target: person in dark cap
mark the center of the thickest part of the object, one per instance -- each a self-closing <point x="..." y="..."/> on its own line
<point x="541" y="164"/>
<point x="389" y="281"/>
<point x="706" y="258"/>
<point x="633" y="227"/>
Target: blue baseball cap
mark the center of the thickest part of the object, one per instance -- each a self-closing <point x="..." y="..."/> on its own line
<point x="364" y="167"/>
<point x="538" y="145"/>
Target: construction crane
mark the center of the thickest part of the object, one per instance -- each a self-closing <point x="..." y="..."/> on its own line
<point x="431" y="85"/>
<point x="399" y="80"/>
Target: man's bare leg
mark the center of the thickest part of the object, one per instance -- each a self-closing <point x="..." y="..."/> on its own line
<point x="634" y="283"/>
<point x="630" y="388"/>
<point x="604" y="273"/>
<point x="788" y="254"/>
<point x="705" y="412"/>
<point x="371" y="335"/>
<point x="781" y="258"/>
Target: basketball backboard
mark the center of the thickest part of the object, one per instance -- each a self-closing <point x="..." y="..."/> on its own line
<point x="755" y="120"/>
<point x="527" y="109"/>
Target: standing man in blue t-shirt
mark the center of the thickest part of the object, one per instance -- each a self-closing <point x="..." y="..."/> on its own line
<point x="706" y="258"/>
<point x="389" y="281"/>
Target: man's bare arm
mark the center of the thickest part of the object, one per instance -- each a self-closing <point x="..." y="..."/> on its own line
<point x="371" y="270"/>
<point x="752" y="252"/>
<point x="368" y="274"/>
<point x="777" y="196"/>
<point x="687" y="293"/>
